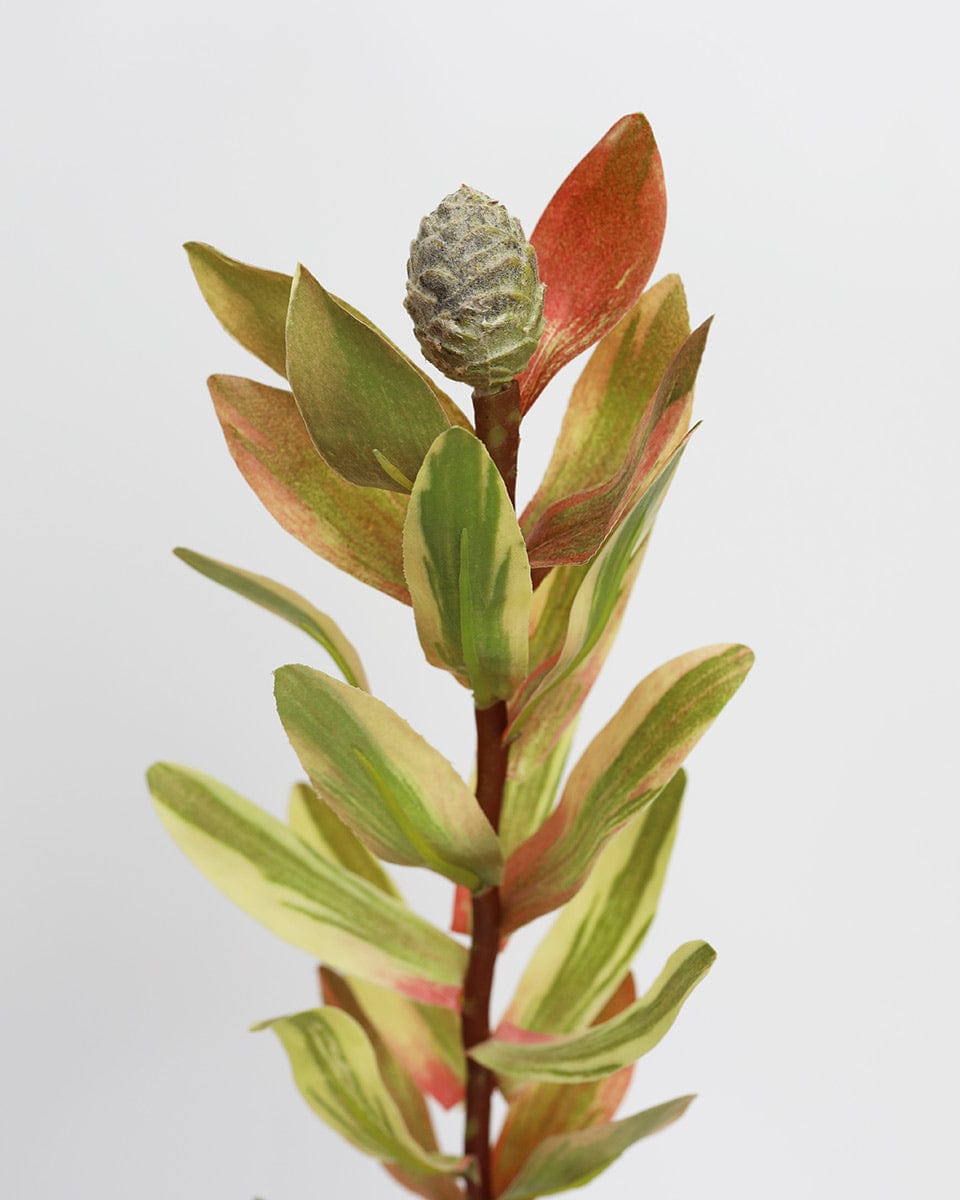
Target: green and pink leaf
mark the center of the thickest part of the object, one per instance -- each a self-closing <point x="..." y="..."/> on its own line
<point x="625" y="766"/>
<point x="572" y="529"/>
<point x="359" y="530"/>
<point x="611" y="397"/>
<point x="597" y="243"/>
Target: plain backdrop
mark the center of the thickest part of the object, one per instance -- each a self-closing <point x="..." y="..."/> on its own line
<point x="811" y="158"/>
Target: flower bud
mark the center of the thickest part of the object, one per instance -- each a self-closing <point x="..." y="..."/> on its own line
<point x="473" y="291"/>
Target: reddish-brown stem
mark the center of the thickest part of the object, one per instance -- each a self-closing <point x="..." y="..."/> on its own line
<point x="498" y="427"/>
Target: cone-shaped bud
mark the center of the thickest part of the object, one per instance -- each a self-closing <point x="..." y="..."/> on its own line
<point x="473" y="291"/>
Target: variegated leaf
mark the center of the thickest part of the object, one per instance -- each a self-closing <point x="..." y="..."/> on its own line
<point x="467" y="569"/>
<point x="425" y="1040"/>
<point x="402" y="1086"/>
<point x="597" y="607"/>
<point x="572" y="529"/>
<point x="335" y="1068"/>
<point x="357" y="529"/>
<point x="542" y="1110"/>
<point x="322" y="908"/>
<point x="582" y="960"/>
<point x="627" y="763"/>
<point x="597" y="243"/>
<point x="530" y="789"/>
<point x="315" y="822"/>
<point x="399" y="795"/>
<point x="571" y="1160"/>
<point x="369" y="413"/>
<point x="599" y="1051"/>
<point x="611" y="397"/>
<point x="285" y="603"/>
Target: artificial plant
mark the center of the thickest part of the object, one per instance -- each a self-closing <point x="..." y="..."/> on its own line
<point x="369" y="463"/>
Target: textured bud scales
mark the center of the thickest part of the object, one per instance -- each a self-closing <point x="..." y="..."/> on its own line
<point x="473" y="291"/>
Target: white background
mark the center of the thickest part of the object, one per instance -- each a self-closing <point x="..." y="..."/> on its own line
<point x="811" y="161"/>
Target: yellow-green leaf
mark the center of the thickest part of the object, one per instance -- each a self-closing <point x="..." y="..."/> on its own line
<point x="467" y="569"/>
<point x="402" y="1085"/>
<point x="285" y="603"/>
<point x="627" y="763"/>
<point x="425" y="1040"/>
<point x="371" y="416"/>
<point x="582" y="960"/>
<point x="538" y="1111"/>
<point x="572" y="1159"/>
<point x="311" y="902"/>
<point x="399" y="795"/>
<point x="249" y="302"/>
<point x="599" y="1051"/>
<point x="335" y="1068"/>
<point x="359" y="530"/>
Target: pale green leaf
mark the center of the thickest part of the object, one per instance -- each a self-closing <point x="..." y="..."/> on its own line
<point x="630" y="760"/>
<point x="467" y="570"/>
<point x="285" y="603"/>
<point x="363" y="403"/>
<point x="399" y="795"/>
<point x="571" y="1160"/>
<point x="335" y="1068"/>
<point x="313" y="903"/>
<point x="599" y="1051"/>
<point x="582" y="960"/>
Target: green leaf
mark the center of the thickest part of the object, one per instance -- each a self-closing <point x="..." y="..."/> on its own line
<point x="401" y="1084"/>
<point x="538" y="1111"/>
<point x="322" y="908"/>
<point x="285" y="603"/>
<point x="249" y="302"/>
<point x="364" y="405"/>
<point x="467" y="569"/>
<point x="630" y="760"/>
<point x="582" y="961"/>
<point x="396" y="792"/>
<point x="571" y="1160"/>
<point x="357" y="529"/>
<point x="612" y="396"/>
<point x="599" y="1051"/>
<point x="424" y="1040"/>
<point x="315" y="822"/>
<point x="573" y="528"/>
<point x="335" y="1068"/>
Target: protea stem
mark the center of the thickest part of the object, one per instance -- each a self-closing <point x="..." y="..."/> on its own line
<point x="498" y="427"/>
